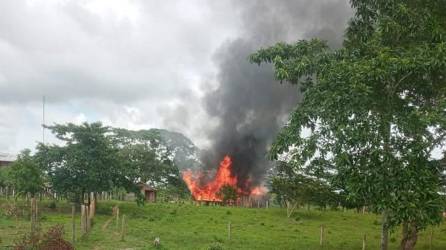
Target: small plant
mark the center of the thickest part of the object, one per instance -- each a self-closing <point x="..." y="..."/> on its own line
<point x="28" y="241"/>
<point x="11" y="210"/>
<point x="52" y="205"/>
<point x="173" y="212"/>
<point x="157" y="242"/>
<point x="216" y="246"/>
<point x="51" y="240"/>
<point x="218" y="239"/>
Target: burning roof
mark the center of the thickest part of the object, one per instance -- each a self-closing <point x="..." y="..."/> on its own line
<point x="204" y="188"/>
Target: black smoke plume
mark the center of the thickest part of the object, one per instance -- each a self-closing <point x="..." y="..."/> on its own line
<point x="249" y="105"/>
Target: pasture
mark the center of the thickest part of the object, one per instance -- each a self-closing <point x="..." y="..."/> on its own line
<point x="187" y="226"/>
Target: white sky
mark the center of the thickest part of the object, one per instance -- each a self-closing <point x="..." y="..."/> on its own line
<point x="125" y="63"/>
<point x="135" y="64"/>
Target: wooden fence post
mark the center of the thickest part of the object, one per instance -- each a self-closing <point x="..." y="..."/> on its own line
<point x="364" y="239"/>
<point x="123" y="228"/>
<point x="87" y="218"/>
<point x="117" y="216"/>
<point x="229" y="230"/>
<point x="321" y="241"/>
<point x="431" y="236"/>
<point x="83" y="219"/>
<point x="33" y="214"/>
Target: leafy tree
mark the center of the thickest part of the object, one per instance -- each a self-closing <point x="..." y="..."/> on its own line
<point x="295" y="188"/>
<point x="227" y="193"/>
<point x="375" y="108"/>
<point x="141" y="163"/>
<point x="4" y="179"/>
<point x="26" y="176"/>
<point x="174" y="188"/>
<point x="85" y="164"/>
<point x="27" y="179"/>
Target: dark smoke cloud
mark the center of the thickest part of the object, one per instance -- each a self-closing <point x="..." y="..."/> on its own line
<point x="250" y="106"/>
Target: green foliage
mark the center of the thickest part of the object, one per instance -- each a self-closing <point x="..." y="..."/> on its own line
<point x="227" y="193"/>
<point x="216" y="246"/>
<point x="169" y="145"/>
<point x="87" y="162"/>
<point x="141" y="163"/>
<point x="373" y="111"/>
<point x="25" y="175"/>
<point x="298" y="188"/>
<point x="52" y="239"/>
<point x="95" y="158"/>
<point x="4" y="179"/>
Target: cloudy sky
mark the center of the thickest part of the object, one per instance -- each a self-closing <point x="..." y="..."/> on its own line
<point x="135" y="64"/>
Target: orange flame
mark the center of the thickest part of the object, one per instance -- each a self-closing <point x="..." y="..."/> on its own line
<point x="258" y="191"/>
<point x="224" y="176"/>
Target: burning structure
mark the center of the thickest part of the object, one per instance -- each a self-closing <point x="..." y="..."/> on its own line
<point x="248" y="105"/>
<point x="207" y="189"/>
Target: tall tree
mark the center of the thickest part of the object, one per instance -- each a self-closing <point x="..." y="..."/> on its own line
<point x="5" y="182"/>
<point x="375" y="108"/>
<point x="294" y="188"/>
<point x="27" y="179"/>
<point x="86" y="163"/>
<point x="142" y="163"/>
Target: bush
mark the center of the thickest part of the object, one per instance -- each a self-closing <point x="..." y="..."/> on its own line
<point x="52" y="205"/>
<point x="51" y="240"/>
<point x="11" y="210"/>
<point x="377" y="222"/>
<point x="216" y="246"/>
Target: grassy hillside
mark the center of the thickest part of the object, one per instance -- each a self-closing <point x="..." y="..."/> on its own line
<point x="190" y="227"/>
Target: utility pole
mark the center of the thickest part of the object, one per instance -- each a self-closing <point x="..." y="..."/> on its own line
<point x="43" y="120"/>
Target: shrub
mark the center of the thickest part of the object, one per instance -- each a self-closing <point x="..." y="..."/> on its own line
<point x="215" y="246"/>
<point x="51" y="240"/>
<point x="52" y="205"/>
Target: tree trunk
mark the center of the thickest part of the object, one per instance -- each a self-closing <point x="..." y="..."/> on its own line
<point x="73" y="222"/>
<point x="384" y="233"/>
<point x="82" y="219"/>
<point x="92" y="211"/>
<point x="33" y="214"/>
<point x="409" y="237"/>
<point x="87" y="218"/>
<point x="88" y="212"/>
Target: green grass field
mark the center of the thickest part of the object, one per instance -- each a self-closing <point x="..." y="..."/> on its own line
<point x="186" y="226"/>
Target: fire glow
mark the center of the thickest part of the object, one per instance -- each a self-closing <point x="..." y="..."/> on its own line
<point x="207" y="190"/>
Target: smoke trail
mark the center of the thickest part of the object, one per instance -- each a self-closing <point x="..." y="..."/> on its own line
<point x="248" y="104"/>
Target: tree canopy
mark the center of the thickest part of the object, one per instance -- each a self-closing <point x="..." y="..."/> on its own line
<point x="94" y="158"/>
<point x="374" y="109"/>
<point x="85" y="163"/>
<point x="25" y="175"/>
